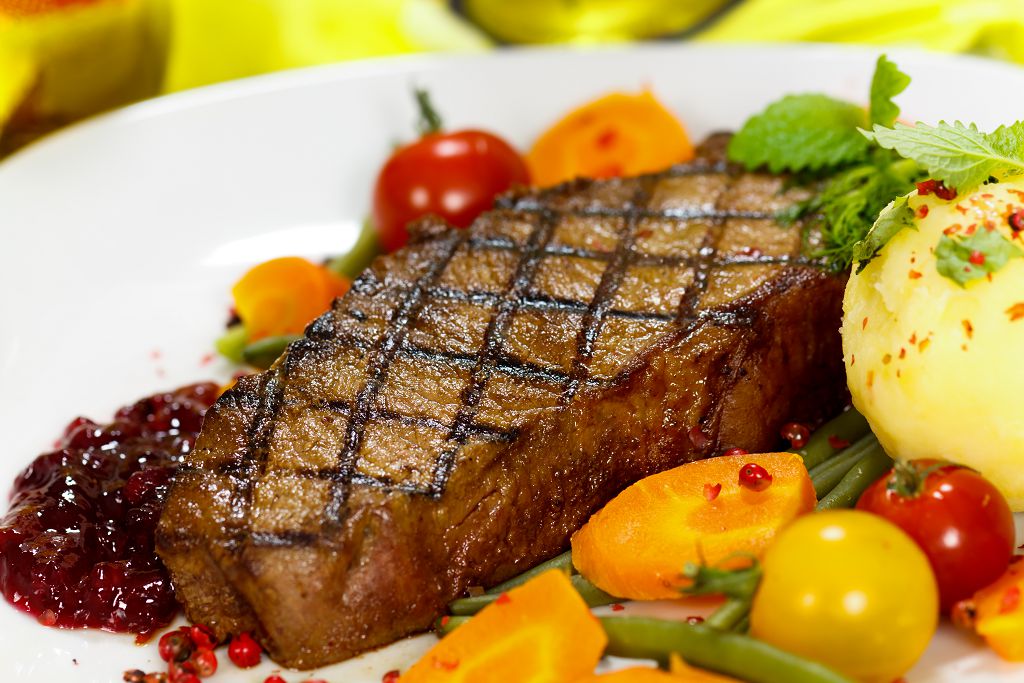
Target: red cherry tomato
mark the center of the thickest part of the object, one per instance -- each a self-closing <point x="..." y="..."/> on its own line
<point x="453" y="175"/>
<point x="958" y="518"/>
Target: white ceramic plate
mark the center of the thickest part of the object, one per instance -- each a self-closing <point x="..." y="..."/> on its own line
<point x="121" y="237"/>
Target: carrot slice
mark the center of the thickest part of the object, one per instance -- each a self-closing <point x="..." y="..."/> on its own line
<point x="636" y="674"/>
<point x="539" y="632"/>
<point x="283" y="295"/>
<point x="637" y="545"/>
<point x="618" y="134"/>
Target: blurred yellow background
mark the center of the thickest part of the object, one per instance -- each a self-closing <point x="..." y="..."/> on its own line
<point x="62" y="60"/>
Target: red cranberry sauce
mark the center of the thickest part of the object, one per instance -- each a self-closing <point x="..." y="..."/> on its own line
<point x="76" y="547"/>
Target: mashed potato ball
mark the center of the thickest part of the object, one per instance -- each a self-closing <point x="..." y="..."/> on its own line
<point x="938" y="368"/>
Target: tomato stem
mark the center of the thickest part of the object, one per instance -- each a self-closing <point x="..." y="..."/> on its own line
<point x="429" y="121"/>
<point x="905" y="480"/>
<point x="908" y="479"/>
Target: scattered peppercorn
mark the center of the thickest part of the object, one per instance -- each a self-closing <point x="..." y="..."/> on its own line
<point x="244" y="651"/>
<point x="204" y="661"/>
<point x="391" y="676"/>
<point x="796" y="433"/>
<point x="1016" y="220"/>
<point x="177" y="673"/>
<point x="274" y="679"/>
<point x="134" y="676"/>
<point x="735" y="451"/>
<point x="936" y="187"/>
<point x="754" y="477"/>
<point x="692" y="620"/>
<point x="175" y="646"/>
<point x="202" y="636"/>
<point x="837" y="443"/>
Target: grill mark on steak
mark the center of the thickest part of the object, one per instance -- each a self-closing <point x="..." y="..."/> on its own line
<point x="453" y="363"/>
<point x="606" y="288"/>
<point x="493" y="341"/>
<point x="386" y="351"/>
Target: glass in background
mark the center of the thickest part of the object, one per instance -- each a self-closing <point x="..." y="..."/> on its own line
<point x="589" y="21"/>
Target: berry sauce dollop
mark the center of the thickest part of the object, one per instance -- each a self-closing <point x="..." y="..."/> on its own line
<point x="76" y="547"/>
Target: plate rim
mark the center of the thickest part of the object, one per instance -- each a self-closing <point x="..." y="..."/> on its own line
<point x="286" y="79"/>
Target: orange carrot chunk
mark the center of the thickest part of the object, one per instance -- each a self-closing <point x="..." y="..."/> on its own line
<point x="705" y="511"/>
<point x="283" y="295"/>
<point x="684" y="673"/>
<point x="997" y="613"/>
<point x="539" y="632"/>
<point x="680" y="672"/>
<point x="618" y="134"/>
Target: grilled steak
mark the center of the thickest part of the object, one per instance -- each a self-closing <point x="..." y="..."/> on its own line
<point x="478" y="394"/>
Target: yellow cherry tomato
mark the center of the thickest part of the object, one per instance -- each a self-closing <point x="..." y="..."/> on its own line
<point x="850" y="590"/>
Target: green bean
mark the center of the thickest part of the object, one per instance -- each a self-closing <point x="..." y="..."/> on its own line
<point x="472" y="604"/>
<point x="732" y="612"/>
<point x="232" y="342"/>
<point x="728" y="653"/>
<point x="263" y="353"/>
<point x="826" y="475"/>
<point x="848" y="426"/>
<point x="743" y="625"/>
<point x="353" y="262"/>
<point x="867" y="470"/>
<point x="445" y="625"/>
<point x="563" y="561"/>
<point x="591" y="594"/>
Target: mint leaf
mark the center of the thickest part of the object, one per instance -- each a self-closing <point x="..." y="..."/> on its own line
<point x="801" y="133"/>
<point x="974" y="256"/>
<point x="887" y="83"/>
<point x="895" y="217"/>
<point x="1009" y="140"/>
<point x="960" y="156"/>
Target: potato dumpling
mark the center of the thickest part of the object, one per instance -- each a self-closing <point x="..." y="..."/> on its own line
<point x="936" y="366"/>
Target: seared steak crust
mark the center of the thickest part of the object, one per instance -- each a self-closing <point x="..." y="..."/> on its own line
<point x="477" y="395"/>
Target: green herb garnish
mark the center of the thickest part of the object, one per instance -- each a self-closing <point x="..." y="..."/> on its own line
<point x="887" y="83"/>
<point x="801" y="133"/>
<point x="893" y="218"/>
<point x="974" y="256"/>
<point x="816" y="134"/>
<point x="959" y="155"/>
<point x="848" y="204"/>
<point x="854" y="209"/>
<point x="962" y="157"/>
